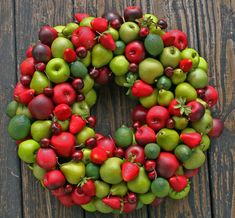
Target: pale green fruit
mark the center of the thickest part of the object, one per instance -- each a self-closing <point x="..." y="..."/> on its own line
<point x="100" y="56"/>
<point x="119" y="65"/>
<point x="39" y="82"/>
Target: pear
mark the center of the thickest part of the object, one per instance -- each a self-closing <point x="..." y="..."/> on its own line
<point x="196" y="160"/>
<point x="102" y="207"/>
<point x="102" y="189"/>
<point x="38" y="172"/>
<point x="119" y="189"/>
<point x="39" y="82"/>
<point x="87" y="60"/>
<point x="180" y="122"/>
<point x="150" y="69"/>
<point x="81" y="108"/>
<point x="100" y="56"/>
<point x="73" y="171"/>
<point x="141" y="184"/>
<point x="41" y="129"/>
<point x="90" y="207"/>
<point x="168" y="139"/>
<point x="164" y="97"/>
<point x="111" y="171"/>
<point x="149" y="101"/>
<point x="86" y="155"/>
<point x="204" y="125"/>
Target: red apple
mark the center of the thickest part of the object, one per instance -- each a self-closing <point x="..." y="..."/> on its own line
<point x="137" y="152"/>
<point x="47" y="34"/>
<point x="135" y="51"/>
<point x="132" y="13"/>
<point x="145" y="135"/>
<point x="53" y="179"/>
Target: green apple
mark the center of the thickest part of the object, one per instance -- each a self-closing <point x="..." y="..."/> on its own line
<point x="41" y="129"/>
<point x="100" y="56"/>
<point x="180" y="122"/>
<point x="178" y="76"/>
<point x="204" y="125"/>
<point x="185" y="90"/>
<point x="119" y="65"/>
<point x="81" y="108"/>
<point x="84" y="134"/>
<point x="57" y="70"/>
<point x="150" y="69"/>
<point x="198" y="78"/>
<point x="27" y="150"/>
<point x="113" y="32"/>
<point x="11" y="108"/>
<point x="191" y="54"/>
<point x="170" y="57"/>
<point x="59" y="45"/>
<point x="164" y="97"/>
<point x="150" y="100"/>
<point x="73" y="171"/>
<point x="69" y="28"/>
<point x="129" y="31"/>
<point x="203" y="64"/>
<point x="39" y="82"/>
<point x="86" y="21"/>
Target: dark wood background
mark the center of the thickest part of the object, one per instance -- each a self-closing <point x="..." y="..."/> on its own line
<point x="210" y="26"/>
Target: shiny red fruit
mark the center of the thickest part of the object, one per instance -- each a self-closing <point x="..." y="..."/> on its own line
<point x="79" y="197"/>
<point x="62" y="112"/>
<point x="41" y="52"/>
<point x="53" y="179"/>
<point x="103" y="76"/>
<point x="47" y="34"/>
<point x="64" y="94"/>
<point x="46" y="158"/>
<point x="145" y="135"/>
<point x="45" y="142"/>
<point x="152" y="175"/>
<point x="91" y="121"/>
<point x="217" y="128"/>
<point x="77" y="155"/>
<point x="98" y="155"/>
<point x="119" y="152"/>
<point x="136" y="153"/>
<point x="197" y="111"/>
<point x="144" y="31"/>
<point x="150" y="165"/>
<point x="139" y="114"/>
<point x="81" y="52"/>
<point x="70" y="55"/>
<point x="131" y="13"/>
<point x="135" y="52"/>
<point x="40" y="66"/>
<point x="91" y="142"/>
<point x="25" y="80"/>
<point x="78" y="84"/>
<point x="107" y="144"/>
<point x="27" y="67"/>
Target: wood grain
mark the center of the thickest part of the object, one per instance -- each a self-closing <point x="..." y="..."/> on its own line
<point x="216" y="22"/>
<point x="10" y="175"/>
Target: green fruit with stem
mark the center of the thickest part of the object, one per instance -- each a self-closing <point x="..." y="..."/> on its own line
<point x="39" y="82"/>
<point x="84" y="134"/>
<point x="81" y="108"/>
<point x="90" y="207"/>
<point x="205" y="143"/>
<point x="190" y="53"/>
<point x="129" y="31"/>
<point x="41" y="129"/>
<point x="180" y="122"/>
<point x="100" y="56"/>
<point x="59" y="45"/>
<point x="38" y="172"/>
<point x="185" y="90"/>
<point x="23" y="110"/>
<point x="198" y="78"/>
<point x="69" y="28"/>
<point x="88" y="84"/>
<point x="59" y="30"/>
<point x="178" y="76"/>
<point x="170" y="57"/>
<point x="87" y="60"/>
<point x="90" y="98"/>
<point x="164" y="97"/>
<point x="119" y="65"/>
<point x="86" y="155"/>
<point x="196" y="160"/>
<point x="204" y="125"/>
<point x="149" y="101"/>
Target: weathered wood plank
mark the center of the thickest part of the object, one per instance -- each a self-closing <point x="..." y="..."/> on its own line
<point x="10" y="178"/>
<point x="37" y="202"/>
<point x="216" y="22"/>
<point x="181" y="15"/>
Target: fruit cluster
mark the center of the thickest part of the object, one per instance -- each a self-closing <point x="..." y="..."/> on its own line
<point x="51" y="121"/>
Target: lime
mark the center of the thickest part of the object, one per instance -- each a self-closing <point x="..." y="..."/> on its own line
<point x="19" y="127"/>
<point x="183" y="152"/>
<point x="92" y="171"/>
<point x="11" y="109"/>
<point x="123" y="136"/>
<point x="151" y="150"/>
<point x="160" y="187"/>
<point x="120" y="48"/>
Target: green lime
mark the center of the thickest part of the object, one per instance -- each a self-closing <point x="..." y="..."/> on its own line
<point x="120" y="47"/>
<point x="19" y="127"/>
<point x="93" y="171"/>
<point x="123" y="136"/>
<point x="160" y="187"/>
<point x="153" y="44"/>
<point x="11" y="109"/>
<point x="183" y="152"/>
<point x="164" y="83"/>
<point x="152" y="150"/>
<point x="78" y="69"/>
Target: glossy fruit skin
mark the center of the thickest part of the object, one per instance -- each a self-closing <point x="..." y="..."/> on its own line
<point x="26" y="96"/>
<point x="167" y="164"/>
<point x="182" y="152"/>
<point x="79" y="197"/>
<point x="46" y="158"/>
<point x="64" y="94"/>
<point x="151" y="150"/>
<point x="69" y="55"/>
<point x="77" y="155"/>
<point x="190" y="173"/>
<point x="149" y="165"/>
<point x="114" y="202"/>
<point x="27" y="67"/>
<point x="192" y="140"/>
<point x="123" y="136"/>
<point x="178" y="183"/>
<point x="145" y="135"/>
<point x="99" y="24"/>
<point x="89" y="188"/>
<point x="47" y="34"/>
<point x="98" y="155"/>
<point x="104" y="76"/>
<point x="92" y="170"/>
<point x="41" y="53"/>
<point x="107" y="144"/>
<point x="62" y="112"/>
<point x="141" y="89"/>
<point x="53" y="179"/>
<point x="132" y="13"/>
<point x="135" y="52"/>
<point x="80" y="16"/>
<point x="66" y="200"/>
<point x="139" y="114"/>
<point x="160" y="187"/>
<point x="129" y="171"/>
<point x="217" y="128"/>
<point x="41" y="107"/>
<point x="107" y="41"/>
<point x="197" y="111"/>
<point x="137" y="152"/>
<point x="64" y="144"/>
<point x="210" y="96"/>
<point x="157" y="117"/>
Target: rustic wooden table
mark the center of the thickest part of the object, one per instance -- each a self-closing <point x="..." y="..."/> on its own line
<point x="210" y="26"/>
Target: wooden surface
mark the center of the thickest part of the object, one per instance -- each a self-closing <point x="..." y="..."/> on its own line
<point x="210" y="26"/>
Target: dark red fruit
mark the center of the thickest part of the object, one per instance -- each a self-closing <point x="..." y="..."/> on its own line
<point x="41" y="107"/>
<point x="64" y="94"/>
<point x="98" y="155"/>
<point x="157" y="117"/>
<point x="70" y="55"/>
<point x="94" y="73"/>
<point x="162" y="24"/>
<point x="66" y="200"/>
<point x="136" y="153"/>
<point x="40" y="66"/>
<point x="167" y="164"/>
<point x="210" y="96"/>
<point x="190" y="173"/>
<point x="107" y="144"/>
<point x="133" y="67"/>
<point x="197" y="111"/>
<point x="81" y="52"/>
<point x="139" y="114"/>
<point x="157" y="201"/>
<point x="141" y="89"/>
<point x="79" y="197"/>
<point x="111" y="15"/>
<point x="132" y="198"/>
<point x="47" y="34"/>
<point x="178" y="183"/>
<point x="145" y="135"/>
<point x="136" y="125"/>
<point x="170" y="124"/>
<point x="129" y="207"/>
<point x="64" y="144"/>
<point x="129" y="171"/>
<point x="217" y="128"/>
<point x="169" y="71"/>
<point x="48" y="91"/>
<point x="91" y="142"/>
<point x="152" y="175"/>
<point x="53" y="179"/>
<point x="80" y="97"/>
<point x="56" y="128"/>
<point x="116" y="24"/>
<point x="150" y="165"/>
<point x="91" y="121"/>
<point x="46" y="158"/>
<point x="77" y="155"/>
<point x="89" y="188"/>
<point x="45" y="142"/>
<point x="135" y="51"/>
<point x="41" y="52"/>
<point x="25" y="80"/>
<point x="131" y="13"/>
<point x="68" y="188"/>
<point x="27" y="67"/>
<point x="78" y="84"/>
<point x="119" y="152"/>
<point x="104" y="76"/>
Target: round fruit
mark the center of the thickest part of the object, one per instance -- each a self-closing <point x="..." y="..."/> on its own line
<point x="123" y="136"/>
<point x="160" y="187"/>
<point x="151" y="150"/>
